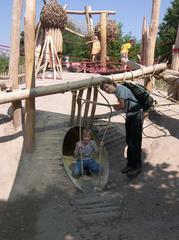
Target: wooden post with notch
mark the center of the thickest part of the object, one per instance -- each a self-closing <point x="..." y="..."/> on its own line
<point x="29" y="37"/>
<point x="14" y="58"/>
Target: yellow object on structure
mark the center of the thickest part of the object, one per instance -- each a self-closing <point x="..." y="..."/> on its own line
<point x="96" y="48"/>
<point x="125" y="48"/>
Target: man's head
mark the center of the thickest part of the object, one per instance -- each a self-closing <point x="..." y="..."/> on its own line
<point x="108" y="86"/>
<point x="132" y="41"/>
<point x="95" y="38"/>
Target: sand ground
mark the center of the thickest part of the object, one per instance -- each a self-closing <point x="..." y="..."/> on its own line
<point x="39" y="202"/>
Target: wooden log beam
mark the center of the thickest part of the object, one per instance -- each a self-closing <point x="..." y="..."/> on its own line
<point x="14" y="58"/>
<point x="76" y="33"/>
<point x="29" y="36"/>
<point x="90" y="12"/>
<point x="75" y="85"/>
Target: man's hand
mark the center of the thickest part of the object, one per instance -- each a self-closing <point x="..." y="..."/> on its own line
<point x="116" y="107"/>
<point x="119" y="106"/>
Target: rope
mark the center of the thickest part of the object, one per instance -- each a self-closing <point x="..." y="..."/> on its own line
<point x="80" y="124"/>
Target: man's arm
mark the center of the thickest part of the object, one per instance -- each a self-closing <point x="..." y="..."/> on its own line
<point x="120" y="105"/>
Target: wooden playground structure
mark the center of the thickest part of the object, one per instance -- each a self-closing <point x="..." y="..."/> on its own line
<point x="32" y="67"/>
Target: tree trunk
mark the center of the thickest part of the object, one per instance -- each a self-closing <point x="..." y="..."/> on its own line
<point x="172" y="90"/>
<point x="144" y="41"/>
<point x="153" y="29"/>
<point x="175" y="55"/>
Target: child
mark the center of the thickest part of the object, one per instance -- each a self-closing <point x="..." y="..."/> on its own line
<point x="83" y="152"/>
<point x="96" y="47"/>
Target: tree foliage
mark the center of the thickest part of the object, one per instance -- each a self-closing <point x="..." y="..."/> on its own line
<point x="4" y="63"/>
<point x="167" y="31"/>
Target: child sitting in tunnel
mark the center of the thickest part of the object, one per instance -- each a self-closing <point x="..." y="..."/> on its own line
<point x="84" y="150"/>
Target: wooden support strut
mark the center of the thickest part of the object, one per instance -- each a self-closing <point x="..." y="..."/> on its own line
<point x="80" y="94"/>
<point x="87" y="105"/>
<point x="93" y="110"/>
<point x="73" y="108"/>
<point x="29" y="30"/>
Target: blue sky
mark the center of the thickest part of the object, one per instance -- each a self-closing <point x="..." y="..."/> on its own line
<point x="129" y="12"/>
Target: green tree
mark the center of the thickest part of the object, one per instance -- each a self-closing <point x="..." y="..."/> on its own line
<point x="114" y="47"/>
<point x="167" y="31"/>
<point x="4" y="63"/>
<point x="75" y="47"/>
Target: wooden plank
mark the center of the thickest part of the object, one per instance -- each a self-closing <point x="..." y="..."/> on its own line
<point x="29" y="36"/>
<point x="14" y="58"/>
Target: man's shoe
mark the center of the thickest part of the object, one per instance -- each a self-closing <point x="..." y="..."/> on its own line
<point x="125" y="170"/>
<point x="134" y="171"/>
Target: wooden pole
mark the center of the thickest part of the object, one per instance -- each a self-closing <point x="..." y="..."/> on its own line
<point x="80" y="95"/>
<point x="175" y="54"/>
<point x="29" y="33"/>
<point x="144" y="41"/>
<point x="14" y="58"/>
<point x="89" y="21"/>
<point x="88" y="97"/>
<point x="73" y="108"/>
<point x="93" y="110"/>
<point x="75" y="85"/>
<point x="103" y="39"/>
<point x="153" y="29"/>
<point x="172" y="90"/>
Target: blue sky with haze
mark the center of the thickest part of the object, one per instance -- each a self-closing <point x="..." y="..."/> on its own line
<point x="129" y="12"/>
